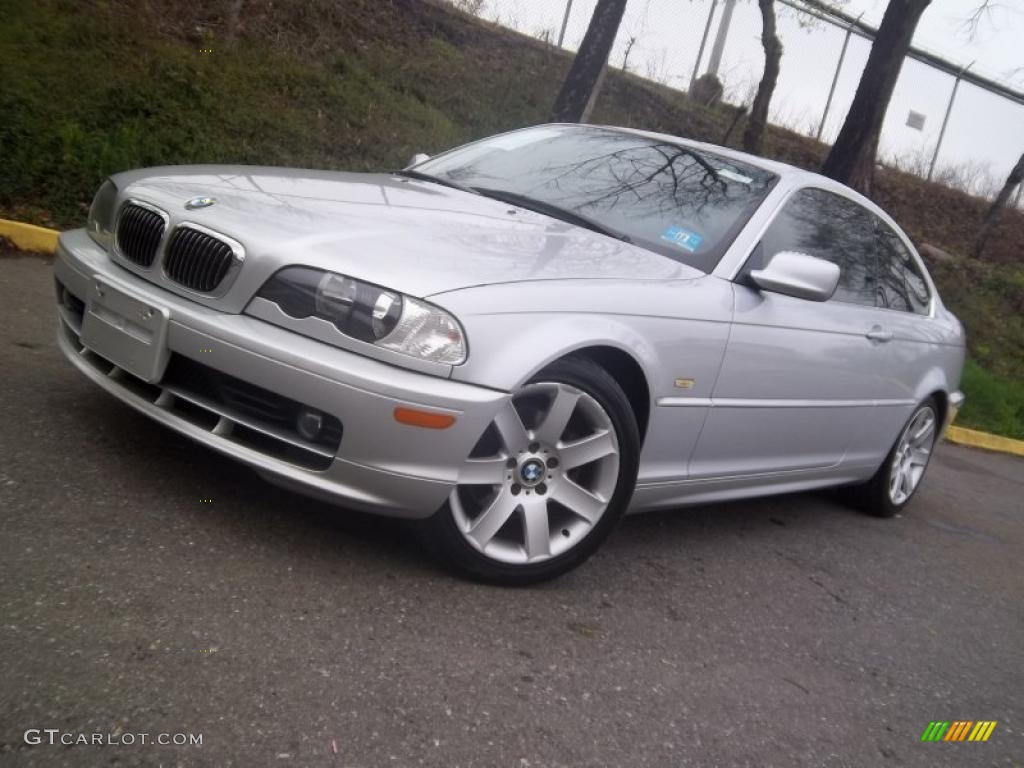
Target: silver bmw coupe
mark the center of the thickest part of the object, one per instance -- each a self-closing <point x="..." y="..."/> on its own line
<point x="517" y="341"/>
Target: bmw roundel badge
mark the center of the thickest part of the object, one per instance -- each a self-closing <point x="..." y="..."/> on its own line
<point x="531" y="472"/>
<point x="199" y="202"/>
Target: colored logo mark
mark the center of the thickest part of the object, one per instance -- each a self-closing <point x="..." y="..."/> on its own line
<point x="959" y="730"/>
<point x="683" y="238"/>
<point x="200" y="202"/>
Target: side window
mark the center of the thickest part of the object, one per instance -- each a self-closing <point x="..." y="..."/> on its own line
<point x="900" y="282"/>
<point x="828" y="226"/>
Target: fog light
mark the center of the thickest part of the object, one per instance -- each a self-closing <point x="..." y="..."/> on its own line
<point x="309" y="424"/>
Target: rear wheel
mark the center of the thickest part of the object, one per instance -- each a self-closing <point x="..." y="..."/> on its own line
<point x="900" y="475"/>
<point x="546" y="482"/>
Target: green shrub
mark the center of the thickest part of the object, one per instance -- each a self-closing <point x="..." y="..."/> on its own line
<point x="993" y="403"/>
<point x="85" y="94"/>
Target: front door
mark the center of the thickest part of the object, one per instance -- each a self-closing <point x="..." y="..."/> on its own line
<point x="799" y="378"/>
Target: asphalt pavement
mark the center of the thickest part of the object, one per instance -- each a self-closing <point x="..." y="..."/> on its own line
<point x="150" y="586"/>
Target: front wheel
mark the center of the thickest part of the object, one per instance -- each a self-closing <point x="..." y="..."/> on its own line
<point x="900" y="475"/>
<point x="546" y="482"/>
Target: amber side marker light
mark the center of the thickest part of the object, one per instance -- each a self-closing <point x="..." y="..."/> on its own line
<point x="425" y="419"/>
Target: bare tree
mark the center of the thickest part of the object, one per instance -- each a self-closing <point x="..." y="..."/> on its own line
<point x="981" y="14"/>
<point x="852" y="158"/>
<point x="753" y="136"/>
<point x="588" y="110"/>
<point x="984" y="14"/>
<point x="581" y="84"/>
<point x="630" y="42"/>
<point x="1015" y="178"/>
<point x="474" y="7"/>
<point x="739" y="112"/>
<point x="233" y="15"/>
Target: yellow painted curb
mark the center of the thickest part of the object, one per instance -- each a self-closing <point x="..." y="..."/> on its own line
<point x="29" y="237"/>
<point x="976" y="439"/>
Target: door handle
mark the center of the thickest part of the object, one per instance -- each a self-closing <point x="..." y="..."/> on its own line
<point x="878" y="333"/>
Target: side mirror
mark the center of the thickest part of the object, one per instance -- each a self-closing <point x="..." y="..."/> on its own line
<point x="797" y="274"/>
<point x="416" y="159"/>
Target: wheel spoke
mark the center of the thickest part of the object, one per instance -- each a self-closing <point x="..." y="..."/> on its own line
<point x="561" y="410"/>
<point x="482" y="472"/>
<point x="924" y="431"/>
<point x="905" y="482"/>
<point x="456" y="504"/>
<point x="535" y="522"/>
<point x="915" y="473"/>
<point x="491" y="519"/>
<point x="511" y="428"/>
<point x="919" y="456"/>
<point x="589" y="449"/>
<point x="578" y="499"/>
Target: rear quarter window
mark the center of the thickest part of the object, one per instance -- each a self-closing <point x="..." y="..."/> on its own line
<point x="901" y="283"/>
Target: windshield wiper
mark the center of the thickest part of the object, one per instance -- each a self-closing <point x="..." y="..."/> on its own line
<point x="421" y="176"/>
<point x="554" y="211"/>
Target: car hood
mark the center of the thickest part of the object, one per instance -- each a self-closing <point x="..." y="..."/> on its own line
<point x="417" y="237"/>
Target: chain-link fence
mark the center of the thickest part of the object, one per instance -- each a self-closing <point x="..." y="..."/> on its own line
<point x="958" y="126"/>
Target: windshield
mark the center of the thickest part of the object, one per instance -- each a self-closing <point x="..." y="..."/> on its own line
<point x="681" y="202"/>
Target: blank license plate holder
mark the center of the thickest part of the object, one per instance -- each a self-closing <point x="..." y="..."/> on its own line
<point x="125" y="329"/>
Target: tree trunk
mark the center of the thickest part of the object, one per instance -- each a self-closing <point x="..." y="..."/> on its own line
<point x="581" y="84"/>
<point x="592" y="101"/>
<point x="852" y="159"/>
<point x="753" y="136"/>
<point x="992" y="214"/>
<point x="739" y="112"/>
<point x="233" y="14"/>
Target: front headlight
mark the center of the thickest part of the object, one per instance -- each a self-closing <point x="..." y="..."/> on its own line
<point x="101" y="215"/>
<point x="368" y="313"/>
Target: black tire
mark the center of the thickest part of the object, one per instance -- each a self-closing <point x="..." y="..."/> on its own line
<point x="446" y="543"/>
<point x="873" y="497"/>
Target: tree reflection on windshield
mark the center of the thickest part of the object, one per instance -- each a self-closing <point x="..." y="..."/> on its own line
<point x="678" y="200"/>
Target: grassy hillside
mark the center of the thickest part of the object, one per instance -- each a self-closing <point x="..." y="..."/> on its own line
<point x="88" y="88"/>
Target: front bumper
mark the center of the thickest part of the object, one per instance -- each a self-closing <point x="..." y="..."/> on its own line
<point x="379" y="465"/>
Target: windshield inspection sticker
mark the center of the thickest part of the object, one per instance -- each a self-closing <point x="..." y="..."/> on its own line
<point x="725" y="173"/>
<point x="683" y="238"/>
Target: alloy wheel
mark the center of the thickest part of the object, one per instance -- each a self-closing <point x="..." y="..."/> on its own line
<point x="913" y="452"/>
<point x="541" y="476"/>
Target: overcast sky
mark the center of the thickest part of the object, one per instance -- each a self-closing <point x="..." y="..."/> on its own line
<point x="997" y="45"/>
<point x="984" y="130"/>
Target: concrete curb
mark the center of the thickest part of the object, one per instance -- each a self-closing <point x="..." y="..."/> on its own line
<point x="976" y="439"/>
<point x="29" y="237"/>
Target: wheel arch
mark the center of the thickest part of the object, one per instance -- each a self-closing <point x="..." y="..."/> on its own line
<point x="941" y="398"/>
<point x="621" y="350"/>
<point x="628" y="374"/>
<point x="935" y="384"/>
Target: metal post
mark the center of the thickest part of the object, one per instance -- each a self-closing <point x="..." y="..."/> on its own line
<point x="703" y="42"/>
<point x="565" y="22"/>
<point x="835" y="77"/>
<point x="723" y="31"/>
<point x="945" y="120"/>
